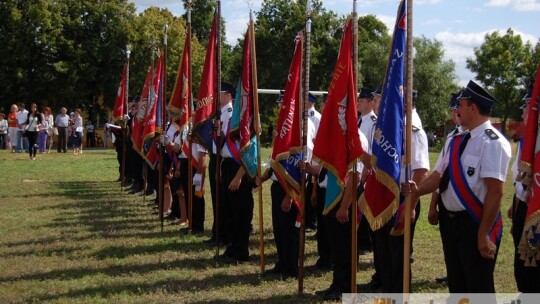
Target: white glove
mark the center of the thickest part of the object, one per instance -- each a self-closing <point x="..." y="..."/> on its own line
<point x="197" y="179"/>
<point x="126" y="117"/>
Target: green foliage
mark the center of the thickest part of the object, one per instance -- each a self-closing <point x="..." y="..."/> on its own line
<point x="505" y="65"/>
<point x="434" y="80"/>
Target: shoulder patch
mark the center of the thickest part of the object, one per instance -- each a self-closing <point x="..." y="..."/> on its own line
<point x="415" y="129"/>
<point x="491" y="134"/>
<point x="312" y="113"/>
<point x="374" y="118"/>
<point x="229" y="109"/>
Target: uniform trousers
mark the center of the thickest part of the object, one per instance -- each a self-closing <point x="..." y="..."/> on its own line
<point x="467" y="270"/>
<point x="527" y="278"/>
<point x="286" y="234"/>
<point x="340" y="245"/>
<point x="198" y="202"/>
<point x="389" y="256"/>
<point x="237" y="207"/>
<point x="323" y="241"/>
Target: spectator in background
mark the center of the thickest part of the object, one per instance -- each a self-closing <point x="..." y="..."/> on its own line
<point x="42" y="135"/>
<point x="77" y="132"/>
<point x="22" y="116"/>
<point x="47" y="116"/>
<point x="62" y="123"/>
<point x="90" y="134"/>
<point x="13" y="127"/>
<point x="3" y="131"/>
<point x="32" y="126"/>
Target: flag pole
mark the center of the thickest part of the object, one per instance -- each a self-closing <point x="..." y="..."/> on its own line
<point x="354" y="203"/>
<point x="408" y="148"/>
<point x="190" y="126"/>
<point x="161" y="168"/>
<point x="257" y="124"/>
<point x="124" y="124"/>
<point x="302" y="238"/>
<point x="218" y="119"/>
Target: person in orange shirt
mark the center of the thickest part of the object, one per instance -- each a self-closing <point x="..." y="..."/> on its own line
<point x="13" y="126"/>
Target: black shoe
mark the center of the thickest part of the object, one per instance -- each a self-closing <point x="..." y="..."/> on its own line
<point x="149" y="192"/>
<point x="443" y="280"/>
<point x="274" y="271"/>
<point x="370" y="287"/>
<point x="224" y="258"/>
<point x="335" y="295"/>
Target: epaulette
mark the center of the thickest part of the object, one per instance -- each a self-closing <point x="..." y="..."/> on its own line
<point x="311" y="113"/>
<point x="374" y="118"/>
<point x="415" y="129"/>
<point x="491" y="134"/>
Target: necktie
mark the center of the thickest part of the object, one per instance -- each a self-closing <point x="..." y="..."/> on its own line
<point x="446" y="175"/>
<point x="359" y="122"/>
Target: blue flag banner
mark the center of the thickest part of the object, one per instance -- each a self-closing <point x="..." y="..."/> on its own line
<point x="380" y="199"/>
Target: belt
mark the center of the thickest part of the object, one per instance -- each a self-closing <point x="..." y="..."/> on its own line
<point x="456" y="214"/>
<point x="227" y="159"/>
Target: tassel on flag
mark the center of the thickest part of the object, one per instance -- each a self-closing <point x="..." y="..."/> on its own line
<point x="380" y="199"/>
<point x="529" y="246"/>
<point x="242" y="120"/>
<point x="120" y="103"/>
<point x="287" y="148"/>
<point x="180" y="99"/>
<point x="338" y="127"/>
<point x="202" y="123"/>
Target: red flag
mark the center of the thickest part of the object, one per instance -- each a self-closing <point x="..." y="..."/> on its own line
<point x="180" y="99"/>
<point x="119" y="105"/>
<point x="242" y="123"/>
<point x="286" y="152"/>
<point x="150" y="119"/>
<point x="145" y="123"/>
<point x="529" y="247"/>
<point x="205" y="108"/>
<point x="138" y="120"/>
<point x="337" y="145"/>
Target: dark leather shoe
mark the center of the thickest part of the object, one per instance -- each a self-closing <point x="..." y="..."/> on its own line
<point x="335" y="295"/>
<point x="324" y="292"/>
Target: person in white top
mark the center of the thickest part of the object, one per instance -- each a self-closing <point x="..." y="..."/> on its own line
<point x="315" y="118"/>
<point x="366" y="118"/>
<point x="527" y="277"/>
<point x="22" y="142"/>
<point x="77" y="131"/>
<point x="479" y="159"/>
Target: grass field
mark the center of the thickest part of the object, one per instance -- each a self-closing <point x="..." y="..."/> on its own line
<point x="68" y="234"/>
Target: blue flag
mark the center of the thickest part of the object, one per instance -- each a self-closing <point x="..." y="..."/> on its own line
<point x="381" y="196"/>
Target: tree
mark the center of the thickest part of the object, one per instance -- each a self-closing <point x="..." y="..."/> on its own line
<point x="435" y="81"/>
<point x="504" y="64"/>
<point x="373" y="51"/>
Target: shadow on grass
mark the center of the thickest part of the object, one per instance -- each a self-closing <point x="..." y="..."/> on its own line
<point x="178" y="286"/>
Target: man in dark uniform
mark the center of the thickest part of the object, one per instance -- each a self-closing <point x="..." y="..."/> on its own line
<point x="470" y="177"/>
<point x="236" y="200"/>
<point x="527" y="277"/>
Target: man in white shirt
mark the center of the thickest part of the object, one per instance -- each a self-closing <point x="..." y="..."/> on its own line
<point x="22" y="115"/>
<point x="470" y="177"/>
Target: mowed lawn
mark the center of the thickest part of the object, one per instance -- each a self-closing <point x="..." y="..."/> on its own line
<point x="68" y="234"/>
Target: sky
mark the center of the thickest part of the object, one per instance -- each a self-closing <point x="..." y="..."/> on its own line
<point x="459" y="24"/>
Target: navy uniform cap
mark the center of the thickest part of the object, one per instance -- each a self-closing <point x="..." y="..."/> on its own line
<point x="324" y="96"/>
<point x="454" y="101"/>
<point x="229" y="88"/>
<point x="414" y="95"/>
<point x="136" y="98"/>
<point x="378" y="91"/>
<point x="365" y="93"/>
<point x="477" y="94"/>
<point x="280" y="97"/>
<point x="312" y="98"/>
